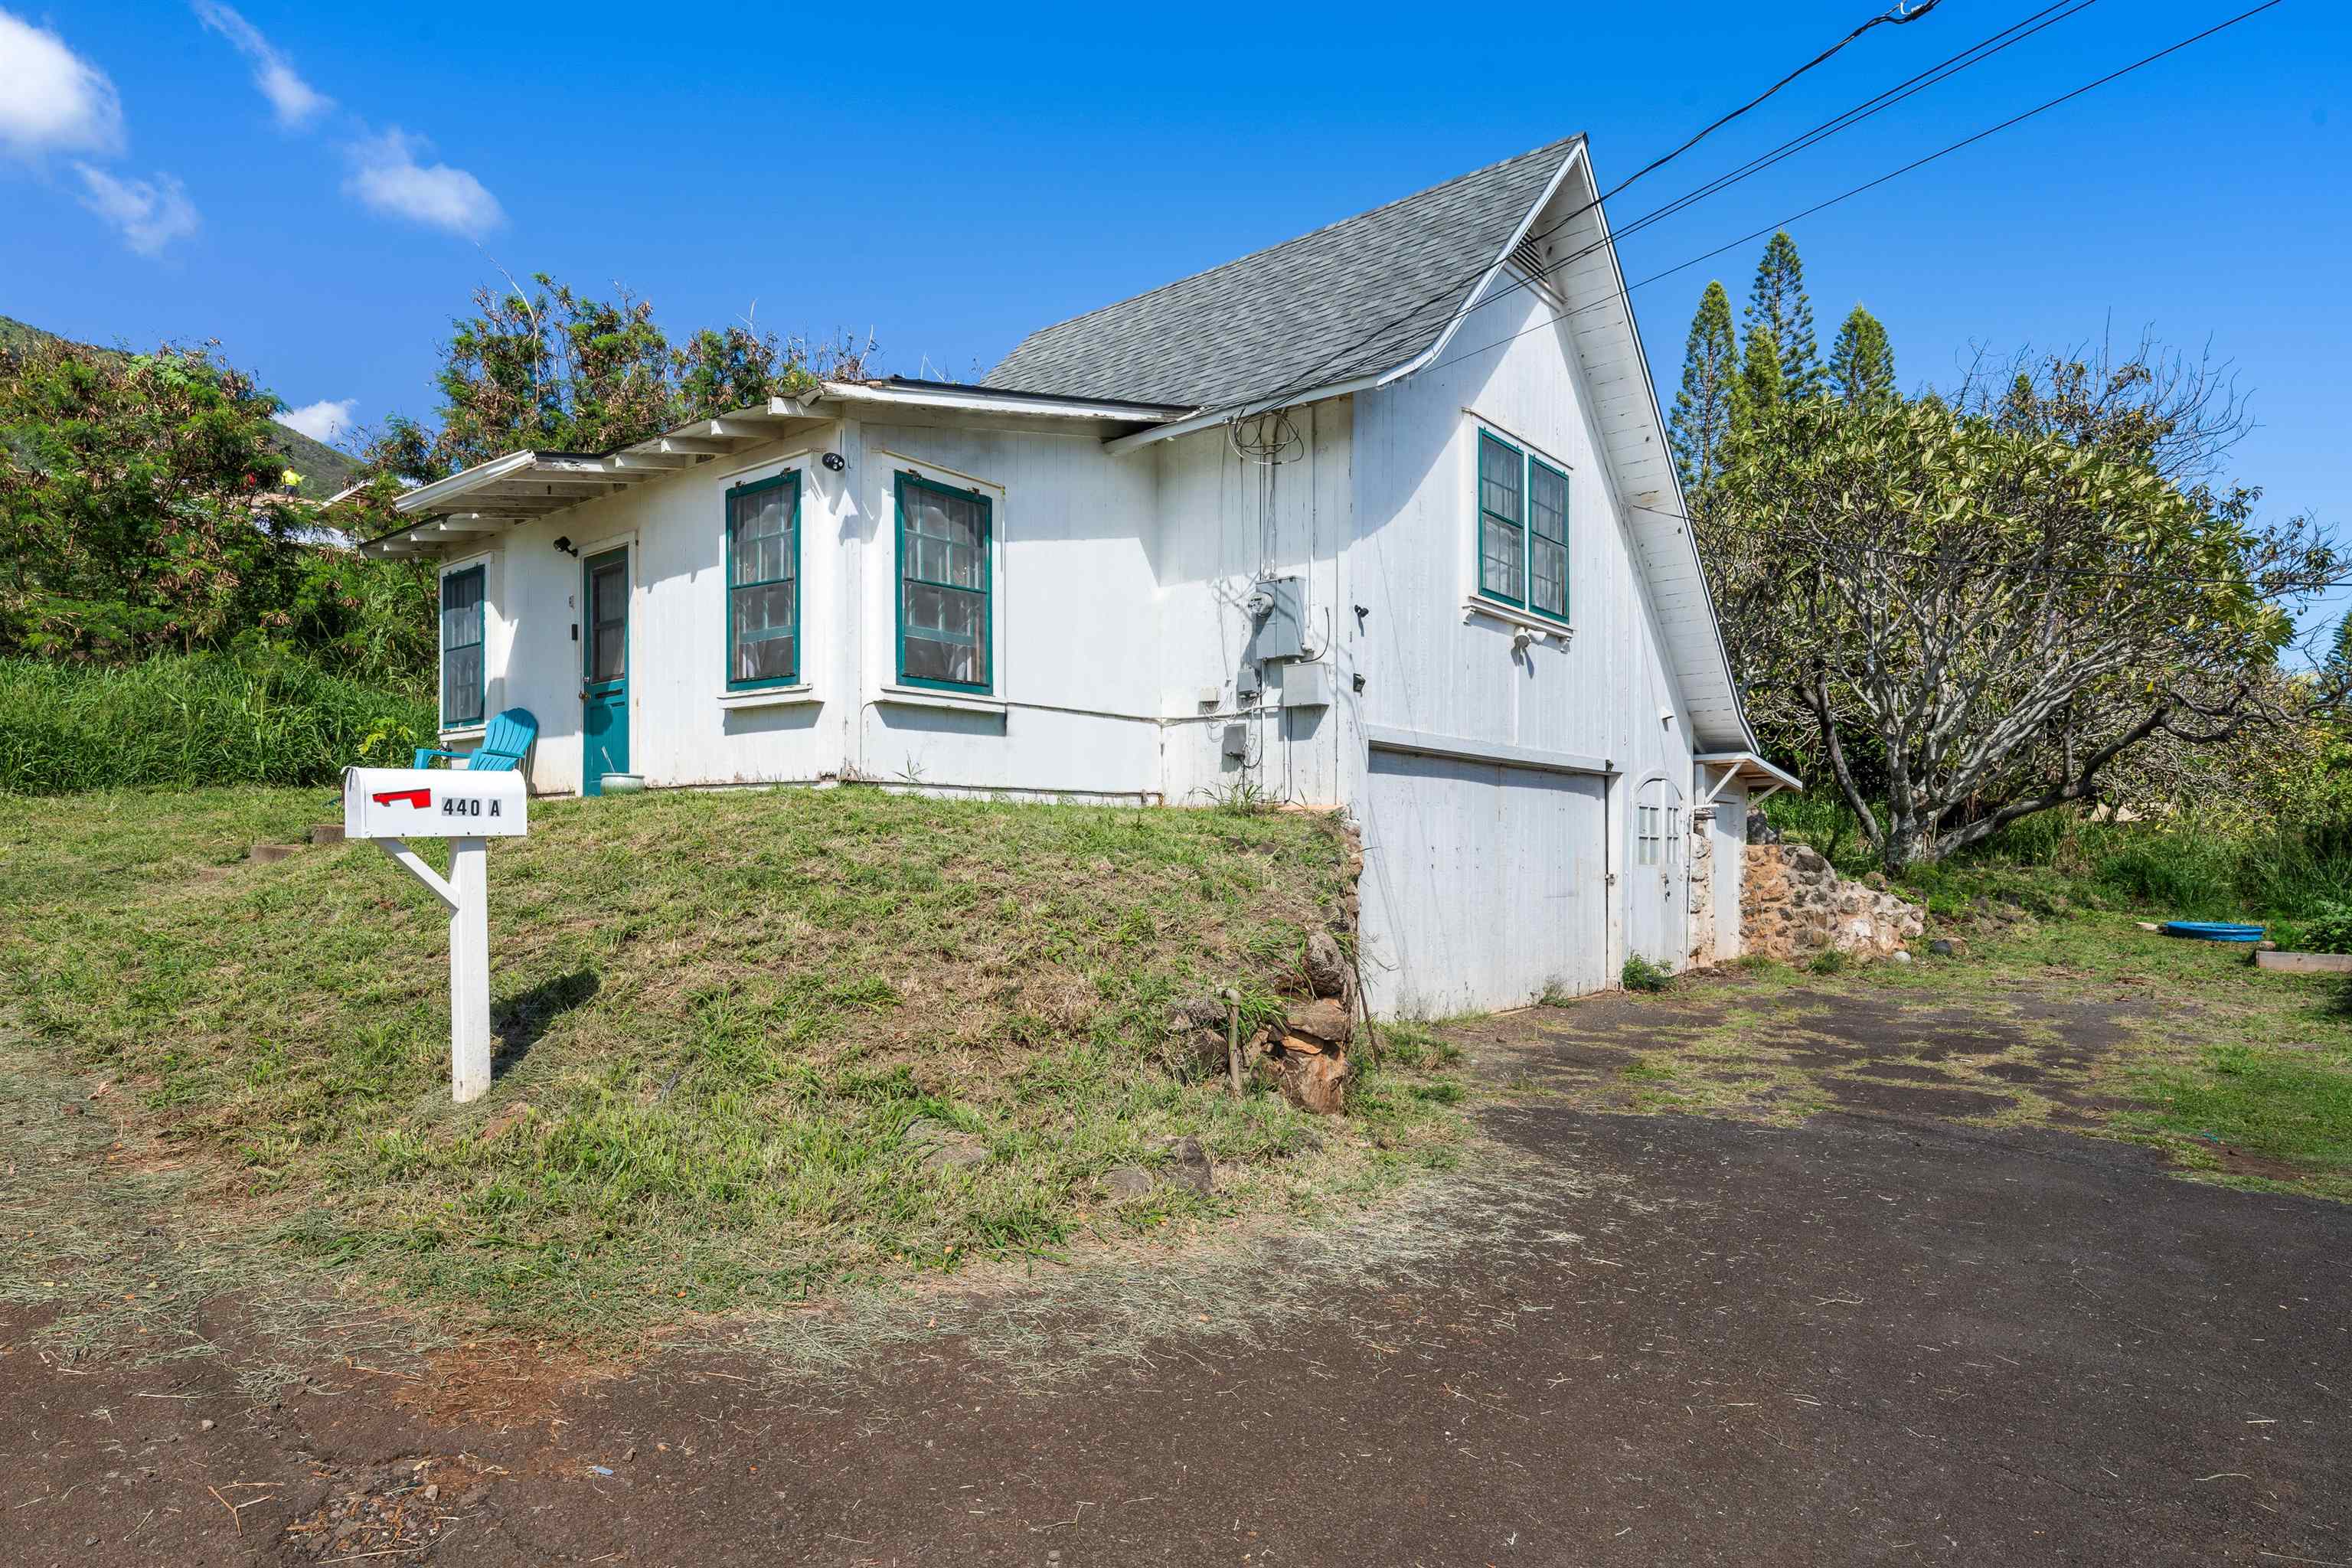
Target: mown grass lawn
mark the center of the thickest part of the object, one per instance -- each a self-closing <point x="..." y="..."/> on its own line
<point x="718" y="1016"/>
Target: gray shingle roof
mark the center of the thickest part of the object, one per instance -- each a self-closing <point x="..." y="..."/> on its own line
<point x="1365" y="294"/>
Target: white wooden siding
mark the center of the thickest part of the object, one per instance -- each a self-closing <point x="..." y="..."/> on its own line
<point x="1431" y="666"/>
<point x="1483" y="884"/>
<point x="1119" y="583"/>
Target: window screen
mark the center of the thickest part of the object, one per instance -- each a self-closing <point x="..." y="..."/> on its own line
<point x="943" y="584"/>
<point x="608" y="620"/>
<point x="463" y="693"/>
<point x="764" y="582"/>
<point x="1502" y="530"/>
<point x="1522" y="528"/>
<point x="1546" y="538"/>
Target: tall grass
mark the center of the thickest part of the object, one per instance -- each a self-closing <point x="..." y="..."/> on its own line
<point x="207" y="718"/>
<point x="2205" y="863"/>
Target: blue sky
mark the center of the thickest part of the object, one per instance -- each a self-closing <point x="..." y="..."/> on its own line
<point x="320" y="188"/>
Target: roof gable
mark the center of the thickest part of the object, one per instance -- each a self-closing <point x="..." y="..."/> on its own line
<point x="1356" y="298"/>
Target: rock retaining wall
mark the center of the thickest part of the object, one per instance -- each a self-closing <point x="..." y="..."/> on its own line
<point x="1306" y="1057"/>
<point x="1793" y="905"/>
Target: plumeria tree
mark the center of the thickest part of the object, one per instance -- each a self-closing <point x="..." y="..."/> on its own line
<point x="2002" y="595"/>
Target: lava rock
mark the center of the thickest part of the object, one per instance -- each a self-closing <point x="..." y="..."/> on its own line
<point x="1329" y="973"/>
<point x="1323" y="1020"/>
<point x="1127" y="1182"/>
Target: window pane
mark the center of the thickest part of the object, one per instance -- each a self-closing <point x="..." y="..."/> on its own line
<point x="1500" y="561"/>
<point x="461" y="647"/>
<point x="945" y="537"/>
<point x="1498" y="478"/>
<point x="461" y="609"/>
<point x="763" y="631"/>
<point x="760" y="535"/>
<point x="946" y="635"/>
<point x="608" y="615"/>
<point x="461" y="685"/>
<point x="1546" y="502"/>
<point x="764" y="657"/>
<point x="1547" y="575"/>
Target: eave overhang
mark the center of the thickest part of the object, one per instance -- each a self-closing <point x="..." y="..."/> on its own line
<point x="507" y="491"/>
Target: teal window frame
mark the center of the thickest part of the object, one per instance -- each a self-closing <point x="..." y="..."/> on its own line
<point x="1521" y="519"/>
<point x="1492" y="515"/>
<point x="479" y="576"/>
<point x="790" y="479"/>
<point x="1537" y="465"/>
<point x="986" y="593"/>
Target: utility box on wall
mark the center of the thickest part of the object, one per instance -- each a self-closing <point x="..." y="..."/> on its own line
<point x="1306" y="685"/>
<point x="1278" y="609"/>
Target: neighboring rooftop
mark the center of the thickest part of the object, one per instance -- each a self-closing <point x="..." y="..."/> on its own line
<point x="1361" y="296"/>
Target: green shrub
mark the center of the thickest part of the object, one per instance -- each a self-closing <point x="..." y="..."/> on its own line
<point x="1641" y="975"/>
<point x="1829" y="961"/>
<point x="2328" y="930"/>
<point x="2190" y="864"/>
<point x="186" y="721"/>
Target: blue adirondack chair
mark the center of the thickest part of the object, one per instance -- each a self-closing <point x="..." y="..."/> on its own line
<point x="503" y="746"/>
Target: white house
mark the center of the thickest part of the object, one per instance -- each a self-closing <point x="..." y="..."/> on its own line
<point x="1380" y="518"/>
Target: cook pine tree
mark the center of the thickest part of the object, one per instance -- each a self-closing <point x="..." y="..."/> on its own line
<point x="1761" y="387"/>
<point x="1862" y="361"/>
<point x="1777" y="303"/>
<point x="1702" y="415"/>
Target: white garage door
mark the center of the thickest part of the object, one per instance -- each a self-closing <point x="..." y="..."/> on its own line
<point x="1483" y="884"/>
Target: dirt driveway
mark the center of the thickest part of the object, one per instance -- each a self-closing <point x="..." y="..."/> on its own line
<point x="1872" y="1335"/>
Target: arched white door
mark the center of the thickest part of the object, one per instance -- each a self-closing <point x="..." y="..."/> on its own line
<point x="1656" y="880"/>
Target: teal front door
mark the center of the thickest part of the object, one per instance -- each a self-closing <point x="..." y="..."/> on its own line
<point x="604" y="669"/>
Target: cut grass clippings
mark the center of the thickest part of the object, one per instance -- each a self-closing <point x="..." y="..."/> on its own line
<point x="718" y="1016"/>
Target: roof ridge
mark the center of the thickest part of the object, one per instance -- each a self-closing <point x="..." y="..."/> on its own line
<point x="1563" y="145"/>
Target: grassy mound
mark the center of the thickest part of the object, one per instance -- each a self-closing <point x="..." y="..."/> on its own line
<point x="181" y="722"/>
<point x="719" y="1012"/>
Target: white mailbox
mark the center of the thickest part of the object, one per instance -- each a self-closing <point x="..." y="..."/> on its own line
<point x="388" y="806"/>
<point x="432" y="802"/>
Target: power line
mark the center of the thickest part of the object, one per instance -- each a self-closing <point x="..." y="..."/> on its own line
<point x="1898" y="16"/>
<point x="1625" y="290"/>
<point x="1975" y="54"/>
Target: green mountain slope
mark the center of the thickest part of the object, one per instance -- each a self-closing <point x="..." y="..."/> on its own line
<point x="324" y="470"/>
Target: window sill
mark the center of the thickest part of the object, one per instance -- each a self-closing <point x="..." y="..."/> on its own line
<point x="466" y="733"/>
<point x="925" y="697"/>
<point x="1511" y="615"/>
<point x="769" y="696"/>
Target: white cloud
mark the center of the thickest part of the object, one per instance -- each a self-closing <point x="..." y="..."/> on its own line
<point x="51" y="99"/>
<point x="389" y="178"/>
<point x="323" y="420"/>
<point x="150" y="215"/>
<point x="296" y="101"/>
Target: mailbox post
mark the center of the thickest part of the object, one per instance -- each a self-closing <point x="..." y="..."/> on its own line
<point x="388" y="806"/>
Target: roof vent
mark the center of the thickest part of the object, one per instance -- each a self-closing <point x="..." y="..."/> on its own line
<point x="1534" y="262"/>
